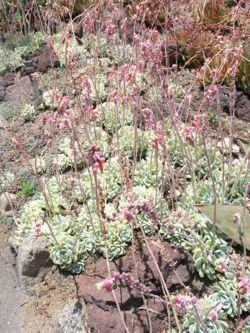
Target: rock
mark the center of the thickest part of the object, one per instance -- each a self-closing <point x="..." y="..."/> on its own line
<point x="72" y="319"/>
<point x="2" y="93"/>
<point x="33" y="262"/>
<point x="177" y="269"/>
<point x="242" y="107"/>
<point x="15" y="94"/>
<point x="45" y="58"/>
<point x="3" y="122"/>
<point x="241" y="103"/>
<point x="8" y="79"/>
<point x="7" y="201"/>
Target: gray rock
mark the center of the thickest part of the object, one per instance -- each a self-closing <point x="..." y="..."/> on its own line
<point x="7" y="201"/>
<point x="72" y="319"/>
<point x="15" y="93"/>
<point x="33" y="262"/>
<point x="3" y="122"/>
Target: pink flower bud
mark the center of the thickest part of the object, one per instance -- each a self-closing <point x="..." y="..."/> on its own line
<point x="105" y="284"/>
<point x="127" y="215"/>
<point x="244" y="285"/>
<point x="213" y="315"/>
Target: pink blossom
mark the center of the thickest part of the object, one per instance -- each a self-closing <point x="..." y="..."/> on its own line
<point x="211" y="93"/>
<point x="182" y="302"/>
<point x="105" y="284"/>
<point x="244" y="285"/>
<point x="149" y="118"/>
<point x="16" y="143"/>
<point x="98" y="165"/>
<point x="213" y="315"/>
<point x="127" y="215"/>
<point x="37" y="229"/>
<point x="95" y="158"/>
<point x="188" y="134"/>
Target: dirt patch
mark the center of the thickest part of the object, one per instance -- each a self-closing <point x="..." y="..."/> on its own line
<point x="17" y="310"/>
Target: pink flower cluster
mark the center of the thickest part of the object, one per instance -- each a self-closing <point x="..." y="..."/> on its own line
<point x="37" y="229"/>
<point x="197" y="126"/>
<point x="95" y="158"/>
<point x="244" y="285"/>
<point x="149" y="118"/>
<point x="211" y="93"/>
<point x="110" y="283"/>
<point x="145" y="207"/>
<point x="184" y="302"/>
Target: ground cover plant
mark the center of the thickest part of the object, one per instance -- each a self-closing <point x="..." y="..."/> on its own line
<point x="135" y="142"/>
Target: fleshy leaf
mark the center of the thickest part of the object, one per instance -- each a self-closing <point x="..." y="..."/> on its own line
<point x="225" y="221"/>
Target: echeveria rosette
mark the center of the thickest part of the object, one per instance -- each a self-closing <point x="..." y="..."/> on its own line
<point x="28" y="111"/>
<point x="206" y="247"/>
<point x="98" y="85"/>
<point x="68" y="253"/>
<point x="142" y="194"/>
<point x="149" y="227"/>
<point x="32" y="211"/>
<point x="132" y="141"/>
<point x="88" y="213"/>
<point x="111" y="178"/>
<point x="204" y="307"/>
<point x="115" y="250"/>
<point x="67" y="156"/>
<point x="83" y="189"/>
<point x="121" y="54"/>
<point x="233" y="189"/>
<point x="148" y="173"/>
<point x="178" y="226"/>
<point x="63" y="224"/>
<point x="94" y="134"/>
<point x="6" y="179"/>
<point x="225" y="291"/>
<point x="112" y="116"/>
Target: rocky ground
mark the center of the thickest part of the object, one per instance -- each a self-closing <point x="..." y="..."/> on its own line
<point x="41" y="307"/>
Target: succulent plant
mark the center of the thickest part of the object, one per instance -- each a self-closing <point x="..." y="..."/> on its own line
<point x="191" y="323"/>
<point x="212" y="12"/>
<point x="48" y="99"/>
<point x="7" y="110"/>
<point x="148" y="173"/>
<point x="131" y="141"/>
<point x="111" y="178"/>
<point x="38" y="164"/>
<point x="206" y="247"/>
<point x="11" y="55"/>
<point x="28" y="111"/>
<point x="112" y="116"/>
<point x="98" y="86"/>
<point x="97" y="134"/>
<point x="121" y="54"/>
<point x="225" y="291"/>
<point x="6" y="179"/>
<point x="68" y="254"/>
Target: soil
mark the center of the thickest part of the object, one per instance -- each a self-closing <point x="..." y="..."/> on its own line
<point x="21" y="313"/>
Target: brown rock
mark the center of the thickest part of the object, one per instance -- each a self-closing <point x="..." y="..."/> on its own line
<point x="45" y="58"/>
<point x="7" y="79"/>
<point x="177" y="269"/>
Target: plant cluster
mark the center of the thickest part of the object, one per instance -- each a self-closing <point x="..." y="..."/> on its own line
<point x="126" y="160"/>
